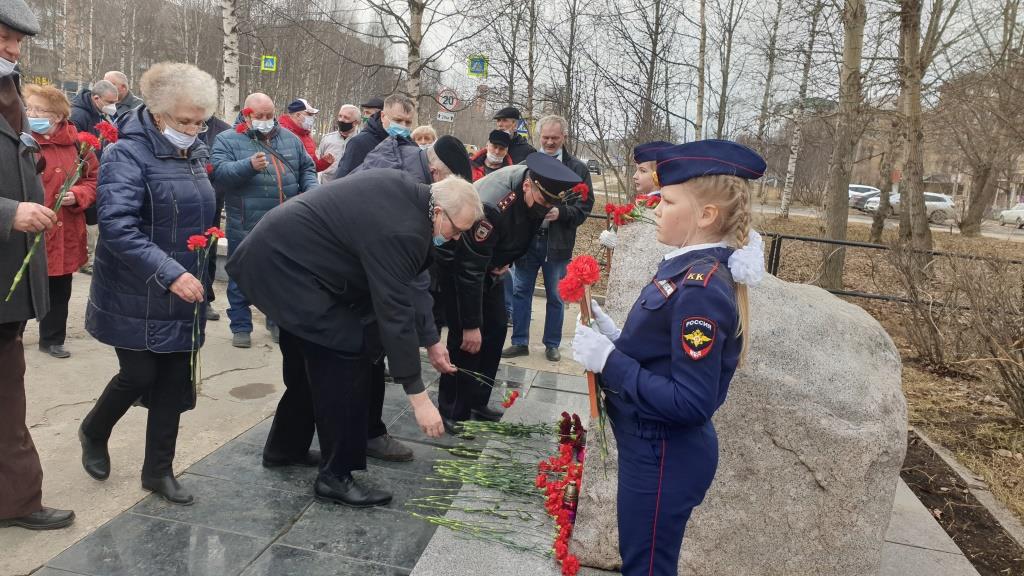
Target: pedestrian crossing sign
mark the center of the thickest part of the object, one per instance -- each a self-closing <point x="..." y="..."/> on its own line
<point x="477" y="66"/>
<point x="521" y="128"/>
<point x="268" y="63"/>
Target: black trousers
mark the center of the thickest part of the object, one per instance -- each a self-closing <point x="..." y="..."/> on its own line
<point x="211" y="265"/>
<point x="332" y="387"/>
<point x="459" y="393"/>
<point x="165" y="379"/>
<point x="53" y="328"/>
<point x="375" y="415"/>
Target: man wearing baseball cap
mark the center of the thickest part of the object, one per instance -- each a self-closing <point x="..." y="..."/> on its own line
<point x="493" y="157"/>
<point x="22" y="217"/>
<point x="300" y="120"/>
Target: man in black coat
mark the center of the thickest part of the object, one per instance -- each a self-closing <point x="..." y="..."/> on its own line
<point x="334" y="268"/>
<point x="396" y="119"/>
<point x="550" y="251"/>
<point x="516" y="201"/>
<point x="506" y="120"/>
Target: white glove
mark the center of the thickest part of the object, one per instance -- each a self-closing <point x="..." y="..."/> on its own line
<point x="605" y="324"/>
<point x="591" y="348"/>
<point x="608" y="239"/>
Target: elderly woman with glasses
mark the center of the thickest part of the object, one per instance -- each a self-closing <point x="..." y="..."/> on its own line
<point x="48" y="109"/>
<point x="154" y="194"/>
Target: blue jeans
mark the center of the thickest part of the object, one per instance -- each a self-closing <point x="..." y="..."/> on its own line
<point x="509" y="281"/>
<point x="525" y="281"/>
<point x="239" y="312"/>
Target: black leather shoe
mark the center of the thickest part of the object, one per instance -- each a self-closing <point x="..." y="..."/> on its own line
<point x="95" y="457"/>
<point x="349" y="492"/>
<point x="487" y="413"/>
<point x="515" y="351"/>
<point x="55" y="350"/>
<point x="453" y="428"/>
<point x="43" y="519"/>
<point x="309" y="460"/>
<point x="384" y="447"/>
<point x="168" y="488"/>
<point x="552" y="354"/>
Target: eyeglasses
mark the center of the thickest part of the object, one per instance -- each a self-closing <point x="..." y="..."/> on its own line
<point x="191" y="128"/>
<point x="34" y="110"/>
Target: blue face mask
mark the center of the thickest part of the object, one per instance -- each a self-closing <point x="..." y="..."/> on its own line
<point x="439" y="241"/>
<point x="39" y="125"/>
<point x="398" y="130"/>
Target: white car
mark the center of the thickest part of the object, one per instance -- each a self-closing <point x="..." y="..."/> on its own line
<point x="1013" y="216"/>
<point x="858" y="191"/>
<point x="940" y="207"/>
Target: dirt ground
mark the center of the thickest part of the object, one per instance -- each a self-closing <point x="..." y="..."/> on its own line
<point x="964" y="408"/>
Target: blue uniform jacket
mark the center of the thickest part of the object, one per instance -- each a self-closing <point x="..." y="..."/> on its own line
<point x="150" y="200"/>
<point x="678" y="350"/>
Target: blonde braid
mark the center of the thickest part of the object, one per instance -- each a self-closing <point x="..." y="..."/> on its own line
<point x="732" y="196"/>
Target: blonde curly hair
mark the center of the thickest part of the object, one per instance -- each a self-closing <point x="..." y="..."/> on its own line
<point x="169" y="84"/>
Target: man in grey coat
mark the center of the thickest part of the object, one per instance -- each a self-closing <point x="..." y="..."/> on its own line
<point x="22" y="216"/>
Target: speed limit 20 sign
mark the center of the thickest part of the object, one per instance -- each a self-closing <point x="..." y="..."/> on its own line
<point x="448" y="99"/>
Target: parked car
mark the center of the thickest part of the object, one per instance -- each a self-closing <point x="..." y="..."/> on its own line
<point x="857" y="191"/>
<point x="939" y="206"/>
<point x="1013" y="216"/>
<point x="862" y="199"/>
<point x="593" y="166"/>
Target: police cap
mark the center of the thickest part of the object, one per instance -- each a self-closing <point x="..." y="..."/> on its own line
<point x="553" y="178"/>
<point x="648" y="151"/>
<point x="677" y="164"/>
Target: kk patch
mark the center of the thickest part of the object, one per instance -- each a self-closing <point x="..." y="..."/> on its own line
<point x="506" y="201"/>
<point x="698" y="336"/>
<point x="700" y="275"/>
<point x="483" y="230"/>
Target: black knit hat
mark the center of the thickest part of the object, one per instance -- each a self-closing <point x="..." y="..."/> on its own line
<point x="17" y="15"/>
<point x="452" y="152"/>
<point x="500" y="138"/>
<point x="508" y="112"/>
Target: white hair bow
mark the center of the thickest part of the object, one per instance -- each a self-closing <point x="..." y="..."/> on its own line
<point x="747" y="263"/>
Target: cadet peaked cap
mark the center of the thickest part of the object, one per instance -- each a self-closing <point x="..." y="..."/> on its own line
<point x="508" y="112"/>
<point x="301" y="105"/>
<point x="373" y="103"/>
<point x="452" y="152"/>
<point x="648" y="152"/>
<point x="17" y="15"/>
<point x="553" y="177"/>
<point x="677" y="164"/>
<point x="499" y="138"/>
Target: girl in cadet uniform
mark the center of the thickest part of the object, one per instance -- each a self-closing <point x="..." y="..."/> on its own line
<point x="668" y="370"/>
<point x="643" y="179"/>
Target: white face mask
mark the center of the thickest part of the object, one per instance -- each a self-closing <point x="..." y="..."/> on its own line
<point x="180" y="140"/>
<point x="424" y="146"/>
<point x="308" y="122"/>
<point x="6" y="67"/>
<point x="263" y="126"/>
<point x="109" y="109"/>
<point x="494" y="159"/>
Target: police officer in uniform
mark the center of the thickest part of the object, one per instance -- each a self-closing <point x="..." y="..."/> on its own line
<point x="515" y="199"/>
<point x="334" y="267"/>
<point x="668" y="370"/>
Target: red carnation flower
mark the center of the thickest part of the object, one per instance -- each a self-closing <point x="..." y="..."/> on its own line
<point x="209" y="168"/>
<point x="561" y="550"/>
<point x="89" y="140"/>
<point x="196" y="242"/>
<point x="214" y="231"/>
<point x="107" y="131"/>
<point x="571" y="288"/>
<point x="582" y="190"/>
<point x="246" y="111"/>
<point x="510" y="399"/>
<point x="609" y="208"/>
<point x="585" y="268"/>
<point x="570" y="566"/>
<point x="241" y="128"/>
<point x="541" y="480"/>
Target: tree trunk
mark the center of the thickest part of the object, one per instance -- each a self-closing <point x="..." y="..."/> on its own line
<point x="983" y="192"/>
<point x="762" y="119"/>
<point x="415" y="61"/>
<point x="698" y="123"/>
<point x="885" y="169"/>
<point x="795" y="143"/>
<point x="912" y="195"/>
<point x="531" y="65"/>
<point x="837" y="200"/>
<point x="645" y="124"/>
<point x="723" y="96"/>
<point x="229" y="87"/>
<point x="125" y="10"/>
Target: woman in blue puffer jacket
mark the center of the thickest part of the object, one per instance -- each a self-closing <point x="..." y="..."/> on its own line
<point x="153" y="194"/>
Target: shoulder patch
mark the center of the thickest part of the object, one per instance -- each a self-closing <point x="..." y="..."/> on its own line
<point x="482" y="231"/>
<point x="666" y="287"/>
<point x="698" y="336"/>
<point x="507" y="201"/>
<point x="700" y="274"/>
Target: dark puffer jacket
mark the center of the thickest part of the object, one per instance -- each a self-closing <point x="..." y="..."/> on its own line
<point x="372" y="134"/>
<point x="399" y="154"/>
<point x="150" y="200"/>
